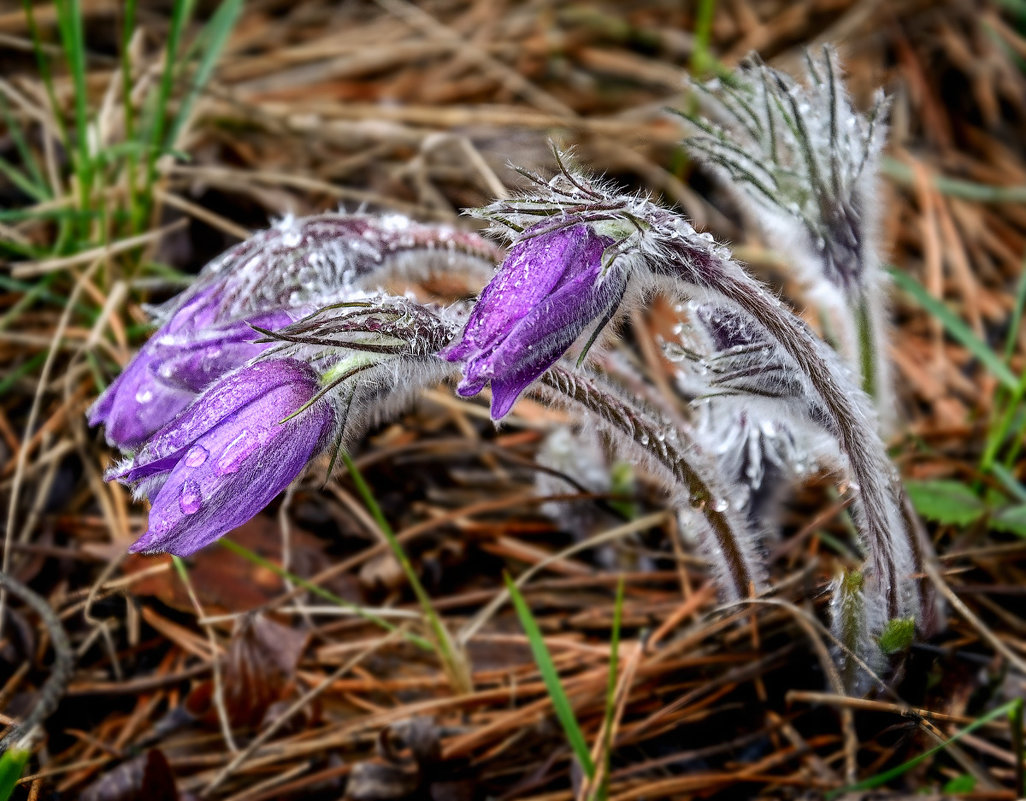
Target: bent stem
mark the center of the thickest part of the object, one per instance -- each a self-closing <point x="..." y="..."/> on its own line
<point x="892" y="554"/>
<point x="662" y="443"/>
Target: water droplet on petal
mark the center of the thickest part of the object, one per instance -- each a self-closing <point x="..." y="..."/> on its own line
<point x="196" y="456"/>
<point x="236" y="452"/>
<point x="189" y="499"/>
<point x="143" y="396"/>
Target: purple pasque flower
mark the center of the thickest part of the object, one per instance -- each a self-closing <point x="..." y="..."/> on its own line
<point x="191" y="349"/>
<point x="269" y="280"/>
<point x="551" y="286"/>
<point x="223" y="459"/>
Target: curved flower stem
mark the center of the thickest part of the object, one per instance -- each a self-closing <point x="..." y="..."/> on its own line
<point x="63" y="665"/>
<point x="891" y="553"/>
<point x="662" y="444"/>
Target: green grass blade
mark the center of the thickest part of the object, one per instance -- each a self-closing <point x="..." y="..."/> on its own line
<point x="28" y="158"/>
<point x="180" y="14"/>
<point x="320" y="592"/>
<point x="560" y="702"/>
<point x="27" y="367"/>
<point x="1008" y="480"/>
<point x="69" y="23"/>
<point x="137" y="208"/>
<point x="701" y="55"/>
<point x="955" y="187"/>
<point x="956" y="327"/>
<point x="455" y="666"/>
<point x="1018" y="748"/>
<point x="1016" y="320"/>
<point x="43" y="65"/>
<point x="882" y="778"/>
<point x="22" y="181"/>
<point x="12" y="764"/>
<point x="211" y="44"/>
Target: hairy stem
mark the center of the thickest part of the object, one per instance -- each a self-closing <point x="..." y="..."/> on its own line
<point x="892" y="553"/>
<point x="663" y="444"/>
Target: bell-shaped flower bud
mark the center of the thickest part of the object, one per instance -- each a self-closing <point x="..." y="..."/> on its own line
<point x="178" y="361"/>
<point x="275" y="277"/>
<point x="242" y="441"/>
<point x="553" y="284"/>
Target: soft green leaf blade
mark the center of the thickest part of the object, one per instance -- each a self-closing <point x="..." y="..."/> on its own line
<point x="12" y="763"/>
<point x="944" y="501"/>
<point x="560" y="702"/>
<point x="965" y="783"/>
<point x="956" y="327"/>
<point x="1011" y="519"/>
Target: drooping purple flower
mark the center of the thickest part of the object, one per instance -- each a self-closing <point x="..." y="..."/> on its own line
<point x="548" y="290"/>
<point x="228" y="454"/>
<point x="180" y="360"/>
<point x="268" y="281"/>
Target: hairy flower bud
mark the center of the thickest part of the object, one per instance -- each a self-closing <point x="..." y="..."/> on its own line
<point x="271" y="279"/>
<point x="551" y="286"/>
<point x="225" y="457"/>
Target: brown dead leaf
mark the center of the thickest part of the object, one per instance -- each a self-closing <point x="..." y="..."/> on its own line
<point x="259" y="670"/>
<point x="147" y="777"/>
<point x="410" y="767"/>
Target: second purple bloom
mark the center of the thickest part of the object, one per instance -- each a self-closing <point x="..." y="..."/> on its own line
<point x="549" y="289"/>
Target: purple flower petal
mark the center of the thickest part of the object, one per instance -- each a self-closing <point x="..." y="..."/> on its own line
<point x="533" y="268"/>
<point x="229" y="454"/>
<point x="216" y="406"/>
<point x="549" y="289"/>
<point x="136" y="402"/>
<point x="170" y="369"/>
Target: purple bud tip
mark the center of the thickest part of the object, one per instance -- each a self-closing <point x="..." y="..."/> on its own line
<point x="547" y="291"/>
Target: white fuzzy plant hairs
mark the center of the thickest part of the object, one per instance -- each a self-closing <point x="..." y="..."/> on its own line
<point x="271" y="385"/>
<point x="802" y="161"/>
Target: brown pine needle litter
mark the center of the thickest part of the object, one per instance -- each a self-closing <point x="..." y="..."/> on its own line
<point x="297" y="663"/>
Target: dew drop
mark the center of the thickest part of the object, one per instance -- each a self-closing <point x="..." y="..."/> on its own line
<point x="236" y="452"/>
<point x="143" y="396"/>
<point x="720" y="505"/>
<point x="189" y="499"/>
<point x="196" y="456"/>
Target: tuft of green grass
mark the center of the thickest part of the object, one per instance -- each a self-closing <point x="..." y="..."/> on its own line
<point x="1013" y="710"/>
<point x="453" y="661"/>
<point x="550" y="676"/>
<point x="85" y="201"/>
